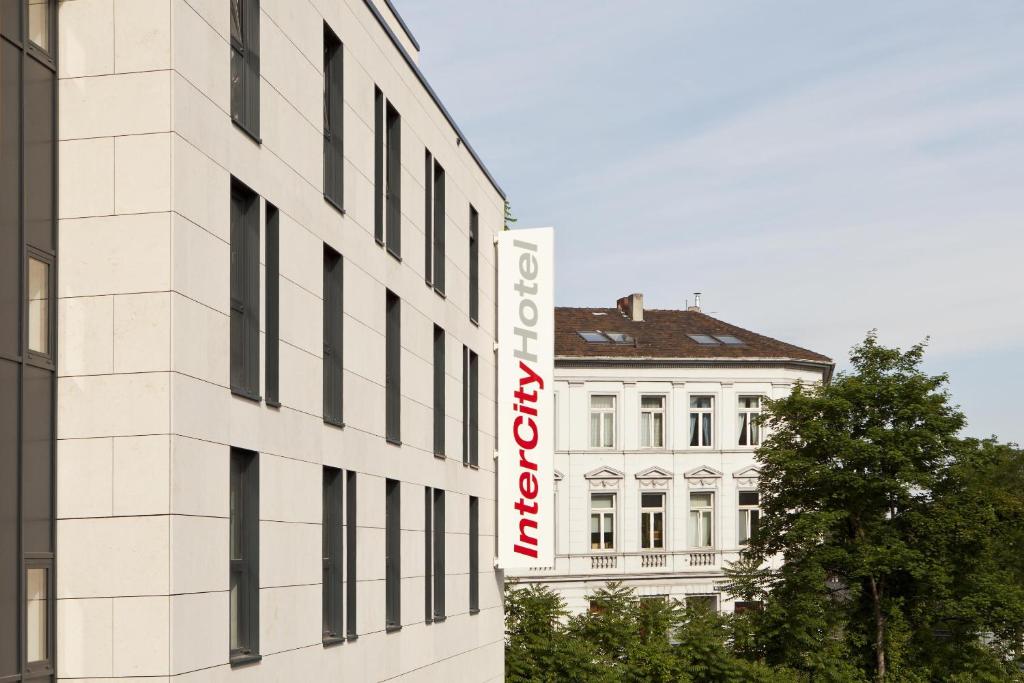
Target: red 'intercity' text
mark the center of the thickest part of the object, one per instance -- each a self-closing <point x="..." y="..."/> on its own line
<point x="524" y="428"/>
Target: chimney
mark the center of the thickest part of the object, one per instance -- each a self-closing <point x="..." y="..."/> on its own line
<point x="696" y="303"/>
<point x="632" y="306"/>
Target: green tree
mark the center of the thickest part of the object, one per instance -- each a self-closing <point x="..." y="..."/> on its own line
<point x="863" y="483"/>
<point x="536" y="645"/>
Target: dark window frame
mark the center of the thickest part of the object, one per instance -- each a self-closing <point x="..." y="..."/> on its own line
<point x="393" y="369"/>
<point x="470" y="408"/>
<point x="39" y="667"/>
<point x="272" y="287"/>
<point x="474" y="555"/>
<point x="333" y="337"/>
<point x="393" y="181"/>
<point x="439" y="230"/>
<point x="245" y="66"/>
<point x="46" y="360"/>
<point x="393" y="555"/>
<point x="428" y="561"/>
<point x="245" y="477"/>
<point x="474" y="265"/>
<point x="439" y="391"/>
<point x="428" y="217"/>
<point x="332" y="545"/>
<point x="378" y="165"/>
<point x="438" y="537"/>
<point x="351" y="548"/>
<point x="334" y="118"/>
<point x="245" y="292"/>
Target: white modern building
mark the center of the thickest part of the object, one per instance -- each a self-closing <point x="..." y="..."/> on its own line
<point x="246" y="361"/>
<point x="656" y="430"/>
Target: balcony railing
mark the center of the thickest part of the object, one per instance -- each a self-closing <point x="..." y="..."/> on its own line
<point x="654" y="560"/>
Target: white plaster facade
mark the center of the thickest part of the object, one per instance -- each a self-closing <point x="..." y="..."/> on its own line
<point x="146" y="418"/>
<point x="683" y="566"/>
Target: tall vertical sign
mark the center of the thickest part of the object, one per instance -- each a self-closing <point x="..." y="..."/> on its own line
<point x="526" y="349"/>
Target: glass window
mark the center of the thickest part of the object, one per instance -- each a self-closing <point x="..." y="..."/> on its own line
<point x="703" y="602"/>
<point x="36" y="614"/>
<point x="749" y="516"/>
<point x="701" y="519"/>
<point x="652" y="521"/>
<point x="602" y="521"/>
<point x="729" y="339"/>
<point x="701" y="414"/>
<point x="602" y="421"/>
<point x="703" y="339"/>
<point x="39" y="23"/>
<point x="594" y="337"/>
<point x="652" y="421"/>
<point x="747" y="421"/>
<point x="38" y="306"/>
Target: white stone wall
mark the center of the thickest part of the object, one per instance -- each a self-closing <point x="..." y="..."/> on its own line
<point x="146" y="417"/>
<point x="681" y="568"/>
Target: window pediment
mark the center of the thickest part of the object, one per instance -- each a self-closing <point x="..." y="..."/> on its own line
<point x="604" y="477"/>
<point x="748" y="476"/>
<point x="703" y="476"/>
<point x="654" y="478"/>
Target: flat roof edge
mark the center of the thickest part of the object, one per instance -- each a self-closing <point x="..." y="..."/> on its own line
<point x="437" y="100"/>
<point x="401" y="22"/>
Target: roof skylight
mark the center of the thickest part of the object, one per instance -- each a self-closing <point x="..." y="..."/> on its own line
<point x="704" y="339"/>
<point x="599" y="337"/>
<point x="729" y="339"/>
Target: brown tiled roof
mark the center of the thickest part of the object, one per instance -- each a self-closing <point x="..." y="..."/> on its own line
<point x="663" y="334"/>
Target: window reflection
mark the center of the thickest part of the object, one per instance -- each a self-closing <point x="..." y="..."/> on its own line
<point x="39" y="23"/>
<point x="38" y="306"/>
<point x="36" y="614"/>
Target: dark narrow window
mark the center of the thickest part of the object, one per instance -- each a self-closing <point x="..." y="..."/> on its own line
<point x="474" y="554"/>
<point x="332" y="549"/>
<point x="351" y="630"/>
<point x="393" y="193"/>
<point x="378" y="165"/>
<point x="393" y="555"/>
<point x="333" y="291"/>
<point x="470" y="408"/>
<point x="438" y="228"/>
<point x="245" y="555"/>
<point x="245" y="291"/>
<point x="334" y="153"/>
<point x="428" y="548"/>
<point x="439" y="387"/>
<point x="245" y="65"/>
<point x="465" y="405"/>
<point x="273" y="304"/>
<point x="428" y="217"/>
<point x="474" y="265"/>
<point x="393" y="370"/>
<point x="438" y="537"/>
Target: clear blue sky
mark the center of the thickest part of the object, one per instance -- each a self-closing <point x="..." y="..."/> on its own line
<point x="815" y="169"/>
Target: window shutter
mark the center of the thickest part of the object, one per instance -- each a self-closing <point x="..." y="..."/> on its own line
<point x="252" y="296"/>
<point x="428" y="215"/>
<point x="439" y="390"/>
<point x="439" y="228"/>
<point x="378" y="165"/>
<point x="237" y="289"/>
<point x="251" y="23"/>
<point x="394" y="182"/>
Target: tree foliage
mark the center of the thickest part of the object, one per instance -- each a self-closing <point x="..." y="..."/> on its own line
<point x="899" y="539"/>
<point x="890" y="549"/>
